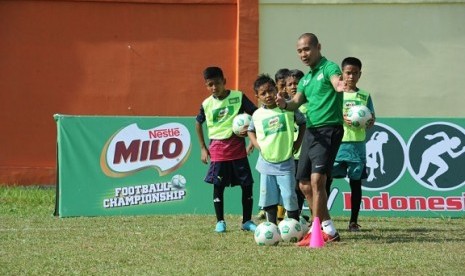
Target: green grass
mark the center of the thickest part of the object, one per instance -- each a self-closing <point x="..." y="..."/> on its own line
<point x="34" y="242"/>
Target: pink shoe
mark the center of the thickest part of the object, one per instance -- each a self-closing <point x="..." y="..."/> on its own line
<point x="305" y="241"/>
<point x="329" y="238"/>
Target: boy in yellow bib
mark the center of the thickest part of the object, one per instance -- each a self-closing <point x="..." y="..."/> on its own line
<point x="351" y="157"/>
<point x="271" y="131"/>
<point x="227" y="152"/>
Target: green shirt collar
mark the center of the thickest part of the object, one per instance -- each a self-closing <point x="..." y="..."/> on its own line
<point x="319" y="65"/>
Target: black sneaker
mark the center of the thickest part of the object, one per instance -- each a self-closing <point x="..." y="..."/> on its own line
<point x="354" y="227"/>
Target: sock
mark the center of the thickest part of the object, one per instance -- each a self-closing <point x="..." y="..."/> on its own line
<point x="271" y="213"/>
<point x="328" y="227"/>
<point x="218" y="193"/>
<point x="293" y="214"/>
<point x="281" y="212"/>
<point x="247" y="203"/>
<point x="355" y="199"/>
<point x="329" y="181"/>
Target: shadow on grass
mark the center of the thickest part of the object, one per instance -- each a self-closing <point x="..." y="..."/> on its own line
<point x="406" y="235"/>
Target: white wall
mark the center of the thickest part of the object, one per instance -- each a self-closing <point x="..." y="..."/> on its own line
<point x="413" y="52"/>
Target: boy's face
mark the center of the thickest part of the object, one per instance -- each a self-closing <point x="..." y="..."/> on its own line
<point x="351" y="74"/>
<point x="281" y="85"/>
<point x="216" y="87"/>
<point x="291" y="85"/>
<point x="267" y="95"/>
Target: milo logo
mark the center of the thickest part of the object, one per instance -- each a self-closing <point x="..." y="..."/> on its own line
<point x="164" y="148"/>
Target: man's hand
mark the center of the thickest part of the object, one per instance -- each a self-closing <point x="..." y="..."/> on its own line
<point x="280" y="101"/>
<point x="341" y="85"/>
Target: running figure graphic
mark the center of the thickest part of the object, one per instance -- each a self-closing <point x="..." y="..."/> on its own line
<point x="432" y="155"/>
<point x="375" y="151"/>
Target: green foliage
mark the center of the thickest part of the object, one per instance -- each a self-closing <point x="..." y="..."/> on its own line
<point x="34" y="242"/>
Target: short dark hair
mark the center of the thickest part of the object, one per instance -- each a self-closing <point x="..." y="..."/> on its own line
<point x="352" y="61"/>
<point x="296" y="73"/>
<point x="213" y="73"/>
<point x="312" y="37"/>
<point x="261" y="80"/>
<point x="281" y="74"/>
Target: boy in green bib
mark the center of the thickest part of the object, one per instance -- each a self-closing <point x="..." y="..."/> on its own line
<point x="351" y="157"/>
<point x="226" y="152"/>
<point x="271" y="131"/>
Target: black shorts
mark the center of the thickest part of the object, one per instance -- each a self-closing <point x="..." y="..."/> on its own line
<point x="319" y="150"/>
<point x="230" y="173"/>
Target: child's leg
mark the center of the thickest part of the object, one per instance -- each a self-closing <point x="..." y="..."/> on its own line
<point x="300" y="198"/>
<point x="247" y="202"/>
<point x="355" y="199"/>
<point x="287" y="189"/>
<point x="329" y="182"/>
<point x="269" y="196"/>
<point x="281" y="212"/>
<point x="272" y="213"/>
<point x="218" y="195"/>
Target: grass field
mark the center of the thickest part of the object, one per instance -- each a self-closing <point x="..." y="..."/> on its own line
<point x="34" y="242"/>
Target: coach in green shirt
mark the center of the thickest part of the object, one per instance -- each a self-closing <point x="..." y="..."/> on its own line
<point x="319" y="90"/>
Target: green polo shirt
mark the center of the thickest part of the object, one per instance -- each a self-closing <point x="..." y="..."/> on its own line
<point x="324" y="104"/>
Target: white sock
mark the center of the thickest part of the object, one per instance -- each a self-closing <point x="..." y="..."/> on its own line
<point x="328" y="227"/>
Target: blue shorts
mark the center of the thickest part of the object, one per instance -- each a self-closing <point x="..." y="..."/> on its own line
<point x="230" y="173"/>
<point x="276" y="189"/>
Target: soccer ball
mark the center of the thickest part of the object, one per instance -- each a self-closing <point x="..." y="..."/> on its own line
<point x="240" y="121"/>
<point x="267" y="233"/>
<point x="291" y="230"/>
<point x="178" y="181"/>
<point x="359" y="115"/>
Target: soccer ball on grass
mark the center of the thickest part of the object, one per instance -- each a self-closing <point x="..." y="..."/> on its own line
<point x="291" y="230"/>
<point x="267" y="233"/>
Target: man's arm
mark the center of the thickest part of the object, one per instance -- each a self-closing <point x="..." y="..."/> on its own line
<point x="292" y="104"/>
<point x="338" y="84"/>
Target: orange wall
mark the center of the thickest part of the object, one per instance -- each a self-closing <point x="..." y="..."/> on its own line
<point x="110" y="58"/>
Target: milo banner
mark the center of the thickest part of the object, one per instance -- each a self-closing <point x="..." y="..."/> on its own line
<point x="151" y="165"/>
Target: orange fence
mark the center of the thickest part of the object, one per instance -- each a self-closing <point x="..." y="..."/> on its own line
<point x="111" y="58"/>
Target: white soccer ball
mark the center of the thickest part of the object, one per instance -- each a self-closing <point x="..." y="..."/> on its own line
<point x="291" y="230"/>
<point x="240" y="121"/>
<point x="267" y="233"/>
<point x="178" y="181"/>
<point x="359" y="115"/>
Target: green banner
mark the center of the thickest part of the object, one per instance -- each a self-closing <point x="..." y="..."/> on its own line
<point x="151" y="165"/>
<point x="416" y="167"/>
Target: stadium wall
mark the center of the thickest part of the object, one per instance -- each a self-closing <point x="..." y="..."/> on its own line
<point x="110" y="57"/>
<point x="132" y="57"/>
<point x="412" y="51"/>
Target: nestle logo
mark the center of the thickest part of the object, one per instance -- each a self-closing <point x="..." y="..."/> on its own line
<point x="131" y="149"/>
<point x="162" y="133"/>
